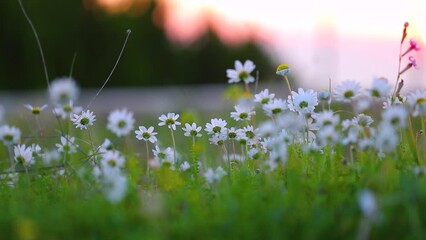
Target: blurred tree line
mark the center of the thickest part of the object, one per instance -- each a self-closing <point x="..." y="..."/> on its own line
<point x="66" y="28"/>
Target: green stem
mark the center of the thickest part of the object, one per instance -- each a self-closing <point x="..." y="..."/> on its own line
<point x="174" y="146"/>
<point x="288" y="83"/>
<point x="147" y="158"/>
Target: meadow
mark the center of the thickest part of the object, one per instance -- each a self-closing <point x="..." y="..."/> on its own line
<point x="342" y="163"/>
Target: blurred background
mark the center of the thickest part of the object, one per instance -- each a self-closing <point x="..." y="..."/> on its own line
<point x="181" y="42"/>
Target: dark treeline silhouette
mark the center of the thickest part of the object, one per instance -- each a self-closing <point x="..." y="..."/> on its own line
<point x="67" y="27"/>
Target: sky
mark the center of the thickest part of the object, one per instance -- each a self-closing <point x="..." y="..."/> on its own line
<point x="320" y="40"/>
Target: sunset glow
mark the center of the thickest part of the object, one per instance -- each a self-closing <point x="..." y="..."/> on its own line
<point x="311" y="35"/>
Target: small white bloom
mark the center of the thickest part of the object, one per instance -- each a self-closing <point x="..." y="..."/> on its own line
<point x="63" y="90"/>
<point x="367" y="203"/>
<point x="275" y="107"/>
<point x="50" y="156"/>
<point x="328" y="136"/>
<point x="218" y="139"/>
<point x="283" y="69"/>
<point x="170" y="120"/>
<point x="241" y="72"/>
<point x="67" y="144"/>
<point x="10" y="135"/>
<point x="243" y="113"/>
<point x="386" y="138"/>
<point x="36" y="150"/>
<point x="232" y="133"/>
<point x="362" y="104"/>
<point x="326" y="118"/>
<point x="121" y="122"/>
<point x="164" y="157"/>
<point x="216" y="125"/>
<point x="347" y="91"/>
<point x="381" y="88"/>
<point x="184" y="166"/>
<point x="417" y="102"/>
<point x="192" y="130"/>
<point x="396" y="115"/>
<point x="303" y="101"/>
<point x="23" y="154"/>
<point x="67" y="110"/>
<point x="83" y="120"/>
<point x="35" y="110"/>
<point x="112" y="159"/>
<point x="212" y="176"/>
<point x="114" y="185"/>
<point x="263" y="97"/>
<point x="146" y="134"/>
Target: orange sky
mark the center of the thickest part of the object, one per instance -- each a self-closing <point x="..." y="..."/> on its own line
<point x="319" y="39"/>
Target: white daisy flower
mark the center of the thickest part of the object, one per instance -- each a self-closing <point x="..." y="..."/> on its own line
<point x="275" y="107"/>
<point x="363" y="120"/>
<point x="114" y="185"/>
<point x="216" y="125"/>
<point x="303" y="102"/>
<point x="63" y="90"/>
<point x="50" y="156"/>
<point x="212" y="176"/>
<point x="36" y="150"/>
<point x="386" y="138"/>
<point x="164" y="157"/>
<point x="218" y="139"/>
<point x="324" y="96"/>
<point x="283" y="69"/>
<point x="9" y="178"/>
<point x="192" y="130"/>
<point x="67" y="144"/>
<point x="241" y="72"/>
<point x="35" y="110"/>
<point x="381" y="88"/>
<point x="170" y="120"/>
<point x="106" y="146"/>
<point x="328" y="136"/>
<point x="396" y="116"/>
<point x="243" y="113"/>
<point x="326" y="118"/>
<point x="146" y="134"/>
<point x="368" y="204"/>
<point x="390" y="101"/>
<point x="67" y="110"/>
<point x="121" y="122"/>
<point x="232" y="133"/>
<point x="112" y="159"/>
<point x="347" y="91"/>
<point x="83" y="120"/>
<point x="362" y="104"/>
<point x="263" y="97"/>
<point x="23" y="154"/>
<point x="417" y="102"/>
<point x="10" y="135"/>
<point x="184" y="166"/>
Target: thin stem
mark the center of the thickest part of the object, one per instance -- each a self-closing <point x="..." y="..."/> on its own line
<point x="288" y="83"/>
<point x="229" y="164"/>
<point x="72" y="64"/>
<point x="10" y="155"/>
<point x="399" y="70"/>
<point x="174" y="145"/>
<point x="112" y="71"/>
<point x="147" y="158"/>
<point x="38" y="42"/>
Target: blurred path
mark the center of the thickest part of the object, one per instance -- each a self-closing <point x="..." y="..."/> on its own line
<point x="158" y="100"/>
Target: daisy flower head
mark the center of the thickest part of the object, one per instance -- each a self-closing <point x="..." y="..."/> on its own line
<point x="396" y="116"/>
<point x="381" y="88"/>
<point x="417" y="102"/>
<point x="303" y="102"/>
<point x="146" y="134"/>
<point x="214" y="175"/>
<point x="367" y="203"/>
<point x="263" y="97"/>
<point x="10" y="135"/>
<point x="232" y="133"/>
<point x="67" y="144"/>
<point x="218" y="139"/>
<point x="23" y="154"/>
<point x="112" y="159"/>
<point x="170" y="120"/>
<point x="283" y="69"/>
<point x="164" y="157"/>
<point x="275" y="107"/>
<point x="67" y="110"/>
<point x="324" y="96"/>
<point x="326" y="118"/>
<point x="347" y="91"/>
<point x="184" y="166"/>
<point x="83" y="120"/>
<point x="243" y="112"/>
<point x="35" y="110"/>
<point x="216" y="126"/>
<point x="63" y="90"/>
<point x="192" y="130"/>
<point x="121" y="122"/>
<point x="241" y="72"/>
